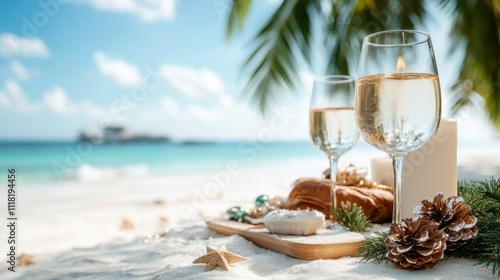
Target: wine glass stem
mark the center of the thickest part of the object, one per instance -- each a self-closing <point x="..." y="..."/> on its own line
<point x="397" y="164"/>
<point x="333" y="178"/>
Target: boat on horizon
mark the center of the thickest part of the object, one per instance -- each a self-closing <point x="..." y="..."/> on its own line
<point x="118" y="135"/>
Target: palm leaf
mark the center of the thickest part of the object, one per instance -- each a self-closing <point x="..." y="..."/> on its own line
<point x="476" y="32"/>
<point x="351" y="21"/>
<point x="237" y="16"/>
<point x="280" y="46"/>
<point x="284" y="43"/>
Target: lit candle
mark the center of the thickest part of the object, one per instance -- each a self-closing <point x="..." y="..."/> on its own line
<point x="430" y="169"/>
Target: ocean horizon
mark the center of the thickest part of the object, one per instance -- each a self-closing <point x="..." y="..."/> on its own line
<point x="46" y="161"/>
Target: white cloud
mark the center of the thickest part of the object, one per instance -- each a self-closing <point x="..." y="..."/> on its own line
<point x="201" y="113"/>
<point x="225" y="111"/>
<point x="19" y="70"/>
<point x="169" y="106"/>
<point x="57" y="101"/>
<point x="14" y="89"/>
<point x="146" y="10"/>
<point x="119" y="71"/>
<point x="192" y="82"/>
<point x="4" y="100"/>
<point x="92" y="110"/>
<point x="13" y="45"/>
<point x="12" y="96"/>
<point x="226" y="101"/>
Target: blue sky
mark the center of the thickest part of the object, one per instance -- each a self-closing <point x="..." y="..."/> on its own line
<point x="69" y="65"/>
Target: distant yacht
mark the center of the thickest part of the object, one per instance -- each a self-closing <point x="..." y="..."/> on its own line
<point x="118" y="135"/>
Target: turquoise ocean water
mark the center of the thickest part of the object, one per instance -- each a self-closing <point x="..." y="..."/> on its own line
<point x="42" y="162"/>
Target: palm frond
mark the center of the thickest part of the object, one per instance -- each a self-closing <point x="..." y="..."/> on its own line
<point x="351" y="21"/>
<point x="284" y="43"/>
<point x="464" y="97"/>
<point x="476" y="28"/>
<point x="237" y="16"/>
<point x="280" y="45"/>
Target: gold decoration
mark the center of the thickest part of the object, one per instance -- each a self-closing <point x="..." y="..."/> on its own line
<point x="277" y="201"/>
<point x="218" y="258"/>
<point x="273" y="203"/>
<point x="355" y="177"/>
<point x="260" y="212"/>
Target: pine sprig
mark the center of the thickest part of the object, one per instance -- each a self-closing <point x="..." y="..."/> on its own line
<point x="351" y="216"/>
<point x="484" y="199"/>
<point x="491" y="257"/>
<point x="374" y="249"/>
<point x="482" y="196"/>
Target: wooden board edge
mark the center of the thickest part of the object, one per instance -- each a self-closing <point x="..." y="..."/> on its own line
<point x="297" y="250"/>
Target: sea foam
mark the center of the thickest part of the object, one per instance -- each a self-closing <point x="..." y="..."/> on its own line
<point x="89" y="173"/>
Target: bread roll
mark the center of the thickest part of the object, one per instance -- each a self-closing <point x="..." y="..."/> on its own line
<point x="315" y="194"/>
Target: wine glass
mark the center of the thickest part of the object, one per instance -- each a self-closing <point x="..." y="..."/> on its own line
<point x="398" y="97"/>
<point x="332" y="125"/>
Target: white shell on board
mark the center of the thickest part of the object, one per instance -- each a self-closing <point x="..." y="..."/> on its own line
<point x="294" y="222"/>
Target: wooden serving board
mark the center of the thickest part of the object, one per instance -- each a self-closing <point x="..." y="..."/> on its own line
<point x="325" y="244"/>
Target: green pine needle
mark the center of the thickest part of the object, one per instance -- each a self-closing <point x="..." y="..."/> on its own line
<point x="374" y="249"/>
<point x="352" y="217"/>
<point x="484" y="199"/>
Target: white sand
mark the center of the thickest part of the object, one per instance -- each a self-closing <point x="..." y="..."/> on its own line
<point x="55" y="220"/>
<point x="171" y="258"/>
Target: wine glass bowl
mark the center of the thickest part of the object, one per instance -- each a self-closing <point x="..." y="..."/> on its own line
<point x="398" y="96"/>
<point x="332" y="126"/>
<point x="397" y="113"/>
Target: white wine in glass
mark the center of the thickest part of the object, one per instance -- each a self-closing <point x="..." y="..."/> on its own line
<point x="398" y="96"/>
<point x="333" y="129"/>
<point x="332" y="125"/>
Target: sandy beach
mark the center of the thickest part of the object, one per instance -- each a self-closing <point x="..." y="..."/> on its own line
<point x="126" y="125"/>
<point x="152" y="228"/>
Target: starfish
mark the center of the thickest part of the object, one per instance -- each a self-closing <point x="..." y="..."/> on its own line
<point x="218" y="258"/>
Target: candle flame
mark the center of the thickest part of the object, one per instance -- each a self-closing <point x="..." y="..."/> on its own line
<point x="400" y="65"/>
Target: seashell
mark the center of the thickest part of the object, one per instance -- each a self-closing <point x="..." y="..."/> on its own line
<point x="301" y="222"/>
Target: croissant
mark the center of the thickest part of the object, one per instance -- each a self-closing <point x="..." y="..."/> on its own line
<point x="315" y="194"/>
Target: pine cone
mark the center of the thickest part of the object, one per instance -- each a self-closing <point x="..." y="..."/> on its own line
<point x="415" y="244"/>
<point x="453" y="217"/>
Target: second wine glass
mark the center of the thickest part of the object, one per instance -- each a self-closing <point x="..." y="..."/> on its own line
<point x="332" y="125"/>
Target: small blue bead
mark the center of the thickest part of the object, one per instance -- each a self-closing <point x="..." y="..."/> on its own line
<point x="236" y="213"/>
<point x="262" y="200"/>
